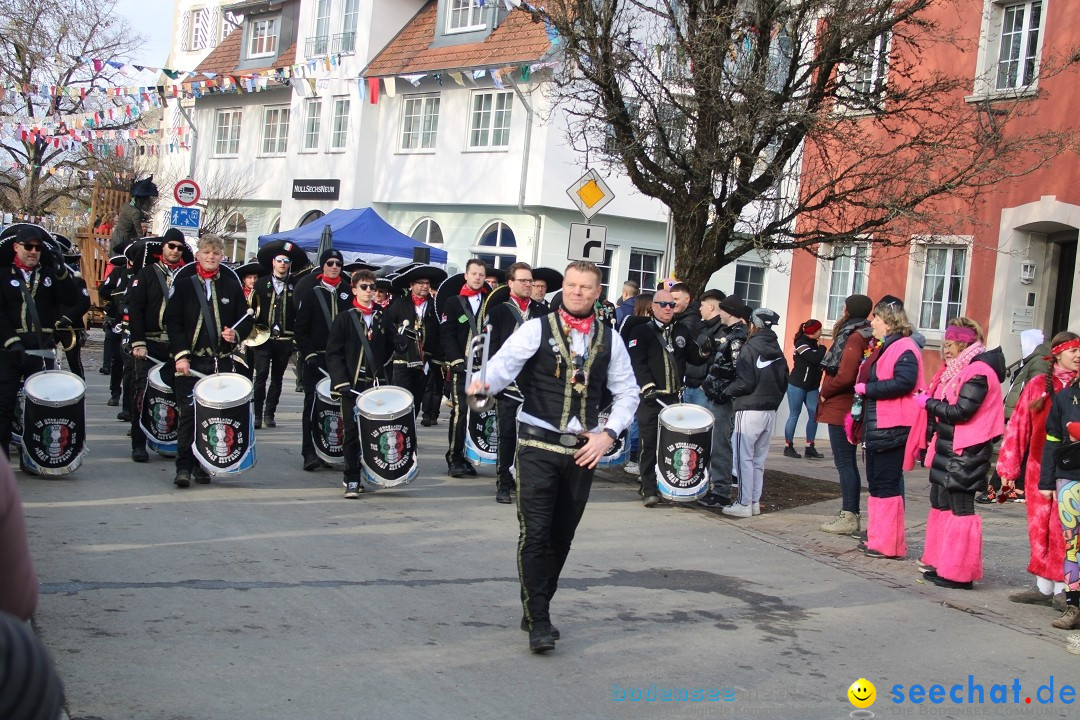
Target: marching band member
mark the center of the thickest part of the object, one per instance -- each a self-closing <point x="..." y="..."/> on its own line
<point x="248" y="274"/>
<point x="459" y="324"/>
<point x="330" y="297"/>
<point x="545" y="278"/>
<point x="157" y="263"/>
<point x="198" y="319"/>
<point x="413" y="317"/>
<point x="503" y="320"/>
<point x="275" y="307"/>
<point x="112" y="293"/>
<point x="358" y="349"/>
<point x="563" y="363"/>
<point x="37" y="297"/>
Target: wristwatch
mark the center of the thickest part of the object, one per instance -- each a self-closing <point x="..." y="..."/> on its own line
<point x="612" y="434"/>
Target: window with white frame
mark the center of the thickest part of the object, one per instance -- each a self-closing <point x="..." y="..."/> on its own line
<point x="348" y="26"/>
<point x="644" y="267"/>
<point x="200" y="28"/>
<point x="463" y="15"/>
<point x="944" y="281"/>
<point x="605" y="273"/>
<point x="427" y="231"/>
<point x="322" y="25"/>
<point x="864" y="79"/>
<point x="489" y="124"/>
<point x="1018" y="46"/>
<point x="229" y="22"/>
<point x="275" y="140"/>
<point x="750" y="284"/>
<point x="497" y="246"/>
<point x="227" y="133"/>
<point x="419" y="122"/>
<point x="235" y="237"/>
<point x="262" y="41"/>
<point x="339" y="123"/>
<point x="849" y="272"/>
<point x="312" y="123"/>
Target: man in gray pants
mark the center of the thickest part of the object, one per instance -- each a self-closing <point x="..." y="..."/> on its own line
<point x="724" y="332"/>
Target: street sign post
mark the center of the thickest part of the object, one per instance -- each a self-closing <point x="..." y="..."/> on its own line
<point x="185" y="219"/>
<point x="590" y="194"/>
<point x="587" y="242"/>
<point x="187" y="192"/>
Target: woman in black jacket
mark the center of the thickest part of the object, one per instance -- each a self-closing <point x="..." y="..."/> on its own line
<point x="803" y="386"/>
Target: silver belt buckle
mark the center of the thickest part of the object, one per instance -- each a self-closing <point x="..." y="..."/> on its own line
<point x="568" y="440"/>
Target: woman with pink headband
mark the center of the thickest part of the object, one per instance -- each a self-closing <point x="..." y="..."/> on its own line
<point x="966" y="415"/>
<point x="1022" y="447"/>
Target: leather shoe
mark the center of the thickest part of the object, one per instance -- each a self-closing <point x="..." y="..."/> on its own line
<point x="258" y="422"/>
<point x="182" y="479"/>
<point x="140" y="455"/>
<point x="525" y="627"/>
<point x="200" y="476"/>
<point x="311" y="464"/>
<point x="933" y="577"/>
<point x="541" y="639"/>
<point x="469" y="469"/>
<point x="269" y="421"/>
<point x="502" y="495"/>
<point x="104" y="370"/>
<point x="651" y="501"/>
<point x="123" y="416"/>
<point x="114" y="401"/>
<point x="426" y="422"/>
<point x="458" y="469"/>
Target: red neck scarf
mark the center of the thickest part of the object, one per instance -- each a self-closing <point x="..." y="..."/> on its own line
<point x="522" y="303"/>
<point x="582" y="324"/>
<point x="468" y="292"/>
<point x="366" y="310"/>
<point x="332" y="282"/>
<point x="248" y="291"/>
<point x="418" y="300"/>
<point x="204" y="274"/>
<point x="173" y="266"/>
<point x="21" y="265"/>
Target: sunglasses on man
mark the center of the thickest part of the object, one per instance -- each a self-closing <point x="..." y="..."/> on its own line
<point x="665" y="303"/>
<point x="174" y="246"/>
<point x="365" y="286"/>
<point x="32" y="247"/>
<point x="332" y="263"/>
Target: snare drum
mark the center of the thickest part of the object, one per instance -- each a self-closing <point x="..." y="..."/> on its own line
<point x="16" y="422"/>
<point x="482" y="437"/>
<point x="159" y="418"/>
<point x="54" y="423"/>
<point x="387" y="428"/>
<point x="683" y="450"/>
<point x="327" y="430"/>
<point x="619" y="452"/>
<point x="224" y="428"/>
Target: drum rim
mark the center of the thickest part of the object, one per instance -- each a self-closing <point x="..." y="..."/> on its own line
<point x="696" y="429"/>
<point x="218" y="405"/>
<point x="159" y="384"/>
<point x="54" y="403"/>
<point x="385" y="415"/>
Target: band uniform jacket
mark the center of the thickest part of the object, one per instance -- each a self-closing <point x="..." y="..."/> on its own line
<point x="458" y="326"/>
<point x="184" y="316"/>
<point x="277" y="312"/>
<point x="112" y="292"/>
<point x="147" y="298"/>
<point x="347" y="360"/>
<point x="659" y="357"/>
<point x="57" y="298"/>
<point x="422" y="337"/>
<point x="312" y="328"/>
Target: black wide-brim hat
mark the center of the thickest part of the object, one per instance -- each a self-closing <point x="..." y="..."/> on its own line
<point x="251" y="268"/>
<point x="289" y="249"/>
<point x="406" y="276"/>
<point x="498" y="274"/>
<point x="359" y="265"/>
<point x="551" y="276"/>
<point x="494" y="298"/>
<point x="148" y="250"/>
<point x="118" y="260"/>
<point x="25" y="232"/>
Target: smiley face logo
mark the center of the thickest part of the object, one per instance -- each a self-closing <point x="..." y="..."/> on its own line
<point x="862" y="693"/>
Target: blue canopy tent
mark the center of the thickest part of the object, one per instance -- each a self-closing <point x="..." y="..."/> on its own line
<point x="358" y="234"/>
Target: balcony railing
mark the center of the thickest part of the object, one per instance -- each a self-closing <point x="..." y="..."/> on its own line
<point x="330" y="44"/>
<point x="344" y="43"/>
<point x="316" y="46"/>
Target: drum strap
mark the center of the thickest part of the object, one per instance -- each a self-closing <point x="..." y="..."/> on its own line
<point x="208" y="318"/>
<point x="368" y="358"/>
<point x="324" y="306"/>
<point x="31" y="310"/>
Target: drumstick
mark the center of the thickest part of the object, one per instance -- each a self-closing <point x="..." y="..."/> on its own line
<point x="250" y="313"/>
<point x="197" y="374"/>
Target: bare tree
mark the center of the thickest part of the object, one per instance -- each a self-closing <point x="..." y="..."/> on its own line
<point x="50" y="44"/>
<point x="775" y="125"/>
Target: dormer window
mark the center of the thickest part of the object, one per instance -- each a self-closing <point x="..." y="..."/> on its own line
<point x="465" y="16"/>
<point x="263" y="37"/>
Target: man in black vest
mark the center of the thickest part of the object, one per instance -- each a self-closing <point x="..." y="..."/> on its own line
<point x="413" y="318"/>
<point x="503" y="319"/>
<point x="566" y="363"/>
<point x="358" y="350"/>
<point x="112" y="294"/>
<point x="459" y="324"/>
<point x="37" y="297"/>
<point x="199" y="317"/>
<point x="320" y="306"/>
<point x="659" y="351"/>
<point x="274" y="307"/>
<point x="147" y="298"/>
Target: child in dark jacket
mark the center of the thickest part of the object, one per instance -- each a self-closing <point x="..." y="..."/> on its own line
<point x="803" y="388"/>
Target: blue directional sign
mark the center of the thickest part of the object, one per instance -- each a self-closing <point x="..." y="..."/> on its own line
<point x="188" y="218"/>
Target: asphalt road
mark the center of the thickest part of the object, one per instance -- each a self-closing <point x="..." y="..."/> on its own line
<point x="270" y="596"/>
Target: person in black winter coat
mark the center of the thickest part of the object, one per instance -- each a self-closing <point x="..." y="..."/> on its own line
<point x="761" y="378"/>
<point x="803" y="388"/>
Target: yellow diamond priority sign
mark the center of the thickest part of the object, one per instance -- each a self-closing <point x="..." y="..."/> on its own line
<point x="590" y="193"/>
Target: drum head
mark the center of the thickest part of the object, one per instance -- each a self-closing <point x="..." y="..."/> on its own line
<point x="686" y="417"/>
<point x="155" y="376"/>
<point x="323" y="389"/>
<point x="54" y="387"/>
<point x="384" y="402"/>
<point x="223" y="390"/>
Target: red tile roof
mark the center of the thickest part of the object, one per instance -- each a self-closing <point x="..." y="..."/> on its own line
<point x="223" y="59"/>
<point x="517" y="40"/>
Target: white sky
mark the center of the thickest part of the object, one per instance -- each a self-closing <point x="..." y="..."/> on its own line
<point x="153" y="20"/>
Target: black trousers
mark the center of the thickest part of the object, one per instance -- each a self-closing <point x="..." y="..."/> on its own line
<point x="351" y="444"/>
<point x="506" y="416"/>
<point x="412" y="379"/>
<point x="14" y="369"/>
<point x="458" y="424"/>
<point x="959" y="502"/>
<point x="184" y="385"/>
<point x="312" y="376"/>
<point x="159" y="351"/>
<point x="111" y="346"/>
<point x="648" y="414"/>
<point x="433" y="393"/>
<point x="115" y="364"/>
<point x="885" y="472"/>
<point x="271" y="361"/>
<point x="551" y="498"/>
<point x="74" y="356"/>
<point x="128" y="395"/>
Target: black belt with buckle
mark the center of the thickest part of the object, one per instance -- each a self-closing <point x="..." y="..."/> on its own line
<point x="567" y="440"/>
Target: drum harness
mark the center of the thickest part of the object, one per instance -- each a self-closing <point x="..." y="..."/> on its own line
<point x="35" y="321"/>
<point x="368" y="357"/>
<point x="208" y="318"/>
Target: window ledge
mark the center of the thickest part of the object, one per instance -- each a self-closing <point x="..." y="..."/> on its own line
<point x="486" y="150"/>
<point x="308" y="151"/>
<point x="466" y="29"/>
<point x="225" y="157"/>
<point x="261" y="55"/>
<point x="996" y="95"/>
<point x="271" y="155"/>
<point x="335" y="151"/>
<point x="424" y="151"/>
